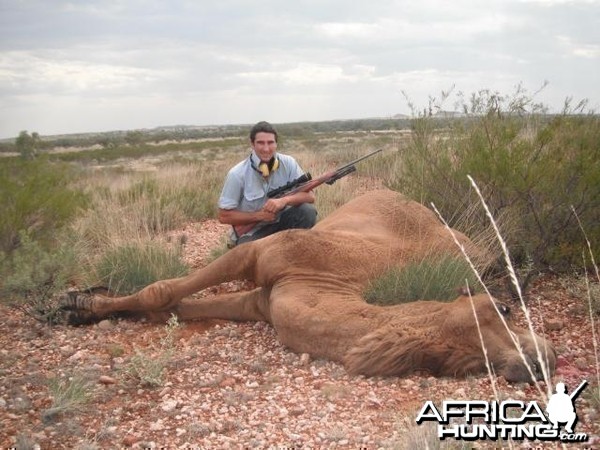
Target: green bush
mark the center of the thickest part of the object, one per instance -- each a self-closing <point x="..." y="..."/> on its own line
<point x="36" y="198"/>
<point x="436" y="278"/>
<point x="127" y="269"/>
<point x="530" y="166"/>
<point x="32" y="276"/>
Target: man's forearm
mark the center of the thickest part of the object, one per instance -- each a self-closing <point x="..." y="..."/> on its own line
<point x="299" y="198"/>
<point x="269" y="211"/>
<point x="235" y="217"/>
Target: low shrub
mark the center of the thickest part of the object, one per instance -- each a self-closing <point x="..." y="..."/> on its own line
<point x="148" y="366"/>
<point x="530" y="166"/>
<point x="36" y="198"/>
<point x="69" y="394"/>
<point x="33" y="275"/>
<point x="128" y="268"/>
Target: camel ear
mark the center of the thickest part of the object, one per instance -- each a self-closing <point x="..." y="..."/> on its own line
<point x="465" y="291"/>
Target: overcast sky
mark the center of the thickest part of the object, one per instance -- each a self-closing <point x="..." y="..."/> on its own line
<point x="79" y="66"/>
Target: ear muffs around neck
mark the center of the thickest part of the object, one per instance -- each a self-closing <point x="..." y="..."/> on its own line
<point x="269" y="167"/>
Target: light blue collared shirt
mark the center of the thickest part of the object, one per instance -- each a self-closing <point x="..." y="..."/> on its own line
<point x="245" y="189"/>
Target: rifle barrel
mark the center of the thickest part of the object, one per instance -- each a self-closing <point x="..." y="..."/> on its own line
<point x="577" y="391"/>
<point x="360" y="159"/>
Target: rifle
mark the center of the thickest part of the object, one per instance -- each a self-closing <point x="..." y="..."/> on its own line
<point x="306" y="183"/>
<point x="577" y="391"/>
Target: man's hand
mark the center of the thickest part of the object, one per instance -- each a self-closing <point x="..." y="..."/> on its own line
<point x="274" y="205"/>
<point x="269" y="211"/>
<point x="267" y="216"/>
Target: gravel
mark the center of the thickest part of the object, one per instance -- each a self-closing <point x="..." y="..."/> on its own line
<point x="233" y="385"/>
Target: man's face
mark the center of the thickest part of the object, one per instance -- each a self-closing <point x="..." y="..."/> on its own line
<point x="264" y="146"/>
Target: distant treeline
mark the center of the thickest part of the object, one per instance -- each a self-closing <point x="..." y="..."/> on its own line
<point x="113" y="139"/>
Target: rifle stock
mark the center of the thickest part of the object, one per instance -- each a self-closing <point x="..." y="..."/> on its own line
<point x="300" y="185"/>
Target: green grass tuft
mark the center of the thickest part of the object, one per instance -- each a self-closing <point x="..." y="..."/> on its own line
<point x="128" y="268"/>
<point x="430" y="279"/>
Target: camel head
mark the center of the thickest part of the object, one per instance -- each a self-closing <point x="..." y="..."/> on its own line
<point x="454" y="339"/>
<point x="485" y="324"/>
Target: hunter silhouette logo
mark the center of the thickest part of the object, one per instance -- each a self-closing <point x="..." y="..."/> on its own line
<point x="471" y="420"/>
<point x="561" y="408"/>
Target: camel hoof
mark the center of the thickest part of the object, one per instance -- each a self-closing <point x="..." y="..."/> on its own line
<point x="79" y="318"/>
<point x="77" y="306"/>
<point x="74" y="301"/>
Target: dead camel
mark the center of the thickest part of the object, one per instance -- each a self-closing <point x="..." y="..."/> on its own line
<point x="310" y="285"/>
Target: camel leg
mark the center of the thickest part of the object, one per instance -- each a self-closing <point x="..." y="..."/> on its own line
<point x="239" y="306"/>
<point x="164" y="295"/>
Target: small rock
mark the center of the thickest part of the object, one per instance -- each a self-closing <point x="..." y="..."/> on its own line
<point x="77" y="356"/>
<point x="164" y="392"/>
<point x="553" y="324"/>
<point x="157" y="426"/>
<point x="297" y="410"/>
<point x="304" y="359"/>
<point x="105" y="379"/>
<point x="105" y="324"/>
<point x="169" y="405"/>
<point x="66" y="350"/>
<point x="581" y="363"/>
<point x="129" y="440"/>
<point x="227" y="382"/>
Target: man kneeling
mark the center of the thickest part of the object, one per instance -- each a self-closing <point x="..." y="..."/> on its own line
<point x="244" y="198"/>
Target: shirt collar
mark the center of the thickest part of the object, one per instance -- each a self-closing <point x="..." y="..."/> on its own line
<point x="255" y="160"/>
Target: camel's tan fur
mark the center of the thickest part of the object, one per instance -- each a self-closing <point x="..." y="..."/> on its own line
<point x="310" y="284"/>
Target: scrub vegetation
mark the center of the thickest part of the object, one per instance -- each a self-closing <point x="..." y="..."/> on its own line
<point x="78" y="209"/>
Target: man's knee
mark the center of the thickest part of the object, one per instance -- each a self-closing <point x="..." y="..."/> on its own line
<point x="309" y="214"/>
<point x="301" y="216"/>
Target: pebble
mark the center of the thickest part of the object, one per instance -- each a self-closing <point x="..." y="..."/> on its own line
<point x="66" y="350"/>
<point x="105" y="379"/>
<point x="129" y="440"/>
<point x="77" y="356"/>
<point x="105" y="325"/>
<point x="287" y="393"/>
<point x="553" y="324"/>
<point x="157" y="426"/>
<point x="169" y="405"/>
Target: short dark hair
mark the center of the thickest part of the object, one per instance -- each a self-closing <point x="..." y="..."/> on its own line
<point x="262" y="127"/>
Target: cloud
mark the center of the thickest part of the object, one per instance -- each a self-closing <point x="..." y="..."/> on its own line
<point x="308" y="74"/>
<point x="571" y="47"/>
<point x="158" y="63"/>
<point x="24" y="72"/>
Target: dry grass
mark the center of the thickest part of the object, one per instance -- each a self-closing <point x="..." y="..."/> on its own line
<point x="546" y="375"/>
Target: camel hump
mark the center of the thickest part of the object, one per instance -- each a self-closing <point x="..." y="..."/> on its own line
<point x="385" y="213"/>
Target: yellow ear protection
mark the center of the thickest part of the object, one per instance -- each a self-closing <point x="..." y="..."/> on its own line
<point x="266" y="168"/>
